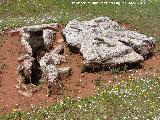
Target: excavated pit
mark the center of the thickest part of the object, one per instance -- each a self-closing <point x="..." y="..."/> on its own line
<point x="36" y="73"/>
<point x="36" y="42"/>
<point x="29" y="68"/>
<point x="42" y="59"/>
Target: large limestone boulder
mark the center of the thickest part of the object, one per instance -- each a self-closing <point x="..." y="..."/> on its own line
<point x="102" y="41"/>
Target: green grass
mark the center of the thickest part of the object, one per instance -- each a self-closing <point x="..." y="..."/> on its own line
<point x="135" y="99"/>
<point x="115" y="70"/>
<point x="83" y="67"/>
<point x="2" y="66"/>
<point x="144" y="18"/>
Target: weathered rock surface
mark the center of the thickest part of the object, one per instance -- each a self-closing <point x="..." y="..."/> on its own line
<point x="49" y="64"/>
<point x="37" y="40"/>
<point x="25" y="42"/>
<point x="103" y="41"/>
<point x="51" y="73"/>
<point x="64" y="72"/>
<point x="48" y="37"/>
<point x="24" y="68"/>
<point x="51" y="58"/>
<point x="34" y="28"/>
<point x="37" y="36"/>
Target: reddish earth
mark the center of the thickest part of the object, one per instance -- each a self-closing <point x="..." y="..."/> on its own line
<point x="78" y="85"/>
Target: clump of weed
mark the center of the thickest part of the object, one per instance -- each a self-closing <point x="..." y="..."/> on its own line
<point x="83" y="67"/>
<point x="150" y="68"/>
<point x="115" y="70"/>
<point x="110" y="45"/>
<point x="97" y="82"/>
<point x="125" y="68"/>
<point x="100" y="41"/>
<point x="2" y="66"/>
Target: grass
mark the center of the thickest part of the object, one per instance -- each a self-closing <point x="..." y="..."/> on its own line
<point x="100" y="41"/>
<point x="144" y="18"/>
<point x="131" y="100"/>
<point x="115" y="70"/>
<point x="98" y="82"/>
<point x="83" y="67"/>
<point x="2" y="66"/>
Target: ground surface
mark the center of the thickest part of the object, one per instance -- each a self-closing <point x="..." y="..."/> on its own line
<point x="78" y="85"/>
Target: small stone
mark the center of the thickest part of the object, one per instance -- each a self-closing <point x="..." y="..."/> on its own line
<point x="60" y="40"/>
<point x="27" y="94"/>
<point x="17" y="104"/>
<point x="48" y="37"/>
<point x="82" y="75"/>
<point x="64" y="72"/>
<point x="58" y="49"/>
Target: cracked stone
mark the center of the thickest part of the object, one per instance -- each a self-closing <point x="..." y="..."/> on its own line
<point x="103" y="41"/>
<point x="48" y="37"/>
<point x="49" y="61"/>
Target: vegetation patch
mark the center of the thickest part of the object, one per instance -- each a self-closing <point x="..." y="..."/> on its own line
<point x="135" y="99"/>
<point x="2" y="66"/>
<point x="119" y="69"/>
<point x="143" y="17"/>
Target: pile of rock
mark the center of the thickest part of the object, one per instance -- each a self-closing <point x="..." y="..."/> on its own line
<point x="101" y="41"/>
<point x="35" y="38"/>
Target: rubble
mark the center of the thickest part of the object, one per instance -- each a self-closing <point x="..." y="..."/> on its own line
<point x="38" y="41"/>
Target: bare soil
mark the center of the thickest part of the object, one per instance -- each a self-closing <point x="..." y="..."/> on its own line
<point x="78" y="85"/>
